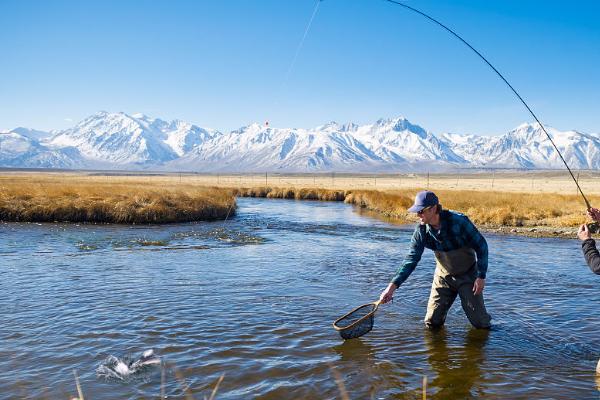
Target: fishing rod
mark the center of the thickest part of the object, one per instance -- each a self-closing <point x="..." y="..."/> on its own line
<point x="587" y="203"/>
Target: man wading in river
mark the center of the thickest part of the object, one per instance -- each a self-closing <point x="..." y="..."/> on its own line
<point x="461" y="255"/>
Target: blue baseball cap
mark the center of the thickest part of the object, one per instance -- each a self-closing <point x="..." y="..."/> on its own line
<point x="423" y="200"/>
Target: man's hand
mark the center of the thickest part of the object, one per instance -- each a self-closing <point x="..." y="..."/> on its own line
<point x="594" y="214"/>
<point x="388" y="294"/>
<point x="584" y="233"/>
<point x="478" y="286"/>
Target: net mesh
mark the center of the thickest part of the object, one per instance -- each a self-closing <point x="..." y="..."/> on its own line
<point x="357" y="322"/>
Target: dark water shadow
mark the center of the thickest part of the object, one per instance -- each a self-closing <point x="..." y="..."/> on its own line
<point x="368" y="373"/>
<point x="457" y="368"/>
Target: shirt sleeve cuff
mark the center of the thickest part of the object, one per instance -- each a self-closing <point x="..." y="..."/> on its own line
<point x="586" y="241"/>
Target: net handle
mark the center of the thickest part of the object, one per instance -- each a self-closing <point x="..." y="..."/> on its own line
<point x="337" y="328"/>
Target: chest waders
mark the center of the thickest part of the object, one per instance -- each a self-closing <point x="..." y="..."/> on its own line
<point x="455" y="274"/>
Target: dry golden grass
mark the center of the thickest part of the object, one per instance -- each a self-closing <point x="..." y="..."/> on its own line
<point x="516" y="182"/>
<point x="48" y="198"/>
<point x="492" y="209"/>
<point x="36" y="196"/>
<point x="293" y="193"/>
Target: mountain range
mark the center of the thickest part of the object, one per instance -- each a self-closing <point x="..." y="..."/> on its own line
<point x="137" y="142"/>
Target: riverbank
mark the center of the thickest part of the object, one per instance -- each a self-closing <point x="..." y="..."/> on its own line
<point x="163" y="198"/>
<point x="527" y="214"/>
<point x="49" y="198"/>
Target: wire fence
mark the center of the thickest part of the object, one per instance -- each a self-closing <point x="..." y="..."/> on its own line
<point x="500" y="181"/>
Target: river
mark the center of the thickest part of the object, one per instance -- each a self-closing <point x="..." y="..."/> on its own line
<point x="254" y="297"/>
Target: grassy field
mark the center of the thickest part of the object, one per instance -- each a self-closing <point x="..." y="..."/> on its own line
<point x="51" y="197"/>
<point x="509" y="181"/>
<point x="515" y="182"/>
<point x="544" y="201"/>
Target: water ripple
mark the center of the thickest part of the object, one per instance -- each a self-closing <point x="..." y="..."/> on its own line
<point x="254" y="298"/>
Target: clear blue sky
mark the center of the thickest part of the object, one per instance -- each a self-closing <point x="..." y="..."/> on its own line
<point x="222" y="63"/>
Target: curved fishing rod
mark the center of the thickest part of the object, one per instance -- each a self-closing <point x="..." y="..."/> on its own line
<point x="587" y="203"/>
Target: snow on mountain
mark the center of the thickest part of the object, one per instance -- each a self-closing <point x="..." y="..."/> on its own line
<point x="183" y="137"/>
<point x="19" y="151"/>
<point x="258" y="147"/>
<point x="119" y="140"/>
<point x="527" y="146"/>
<point x="389" y="144"/>
<point x="32" y="133"/>
<point x="137" y="139"/>
<point x="396" y="140"/>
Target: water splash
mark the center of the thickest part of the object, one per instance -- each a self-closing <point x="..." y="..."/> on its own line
<point x="231" y="237"/>
<point x="128" y="368"/>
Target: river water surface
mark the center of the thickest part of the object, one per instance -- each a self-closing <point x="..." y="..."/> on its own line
<point x="254" y="298"/>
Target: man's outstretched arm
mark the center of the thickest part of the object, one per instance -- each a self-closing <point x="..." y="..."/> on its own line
<point x="417" y="246"/>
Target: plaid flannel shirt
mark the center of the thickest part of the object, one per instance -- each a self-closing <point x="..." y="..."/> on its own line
<point x="456" y="231"/>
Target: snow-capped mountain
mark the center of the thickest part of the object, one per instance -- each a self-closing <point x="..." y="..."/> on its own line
<point x="393" y="143"/>
<point x="117" y="138"/>
<point x="121" y="141"/>
<point x="32" y="133"/>
<point x="19" y="151"/>
<point x="397" y="139"/>
<point x="527" y="146"/>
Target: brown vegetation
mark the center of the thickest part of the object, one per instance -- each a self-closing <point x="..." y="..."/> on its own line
<point x="160" y="198"/>
<point x="48" y="198"/>
<point x="488" y="209"/>
<point x="293" y="193"/>
<point x="492" y="209"/>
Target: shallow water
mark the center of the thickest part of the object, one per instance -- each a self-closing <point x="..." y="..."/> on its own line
<point x="254" y="298"/>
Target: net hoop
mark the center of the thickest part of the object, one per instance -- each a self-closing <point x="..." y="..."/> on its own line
<point x="358" y="321"/>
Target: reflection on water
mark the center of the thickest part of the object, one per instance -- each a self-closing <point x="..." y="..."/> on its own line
<point x="255" y="297"/>
<point x="457" y="369"/>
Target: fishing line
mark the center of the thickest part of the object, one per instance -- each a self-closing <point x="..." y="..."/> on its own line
<point x="288" y="73"/>
<point x="286" y="78"/>
<point x="587" y="203"/>
<point x="293" y="63"/>
<point x="228" y="211"/>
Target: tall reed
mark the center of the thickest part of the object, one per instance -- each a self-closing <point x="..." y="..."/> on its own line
<point x="487" y="208"/>
<point x="51" y="200"/>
